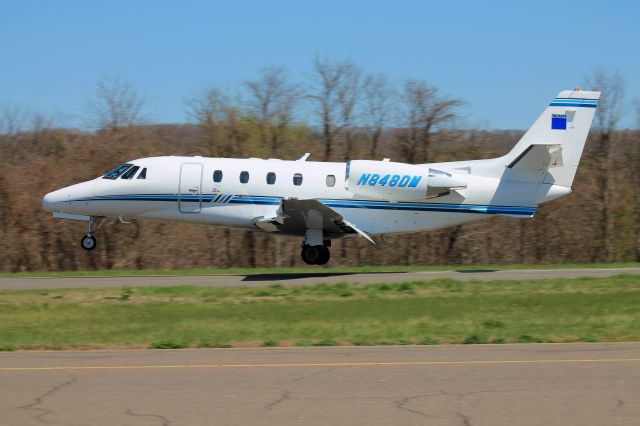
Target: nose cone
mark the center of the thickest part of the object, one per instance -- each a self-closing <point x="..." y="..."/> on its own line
<point x="72" y="199"/>
<point x="54" y="200"/>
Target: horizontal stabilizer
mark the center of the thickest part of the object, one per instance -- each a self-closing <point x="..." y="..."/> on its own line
<point x="538" y="158"/>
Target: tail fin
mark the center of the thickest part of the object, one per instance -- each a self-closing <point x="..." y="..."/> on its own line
<point x="551" y="149"/>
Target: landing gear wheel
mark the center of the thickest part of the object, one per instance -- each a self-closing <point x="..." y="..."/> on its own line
<point x="325" y="254"/>
<point x="315" y="255"/>
<point x="311" y="254"/>
<point x="88" y="242"/>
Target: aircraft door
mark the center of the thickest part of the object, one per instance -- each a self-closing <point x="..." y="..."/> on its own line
<point x="190" y="188"/>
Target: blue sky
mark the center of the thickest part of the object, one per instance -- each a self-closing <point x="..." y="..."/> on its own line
<point x="506" y="59"/>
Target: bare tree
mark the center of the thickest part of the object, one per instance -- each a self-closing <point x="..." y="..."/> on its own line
<point x="114" y="104"/>
<point x="606" y="121"/>
<point x="425" y="113"/>
<point x="13" y="119"/>
<point x="220" y="121"/>
<point x="348" y="97"/>
<point x="273" y="102"/>
<point x="378" y="102"/>
<point x="329" y="89"/>
<point x="637" y="185"/>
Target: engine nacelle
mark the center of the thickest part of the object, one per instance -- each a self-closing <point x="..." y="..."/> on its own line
<point x="387" y="180"/>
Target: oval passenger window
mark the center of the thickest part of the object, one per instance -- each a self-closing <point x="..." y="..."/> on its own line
<point x="271" y="178"/>
<point x="331" y="180"/>
<point x="244" y="177"/>
<point x="297" y="179"/>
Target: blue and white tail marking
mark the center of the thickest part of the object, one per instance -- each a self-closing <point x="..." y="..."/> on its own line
<point x="580" y="103"/>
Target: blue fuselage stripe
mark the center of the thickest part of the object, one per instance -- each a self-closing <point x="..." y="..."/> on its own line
<point x="339" y="204"/>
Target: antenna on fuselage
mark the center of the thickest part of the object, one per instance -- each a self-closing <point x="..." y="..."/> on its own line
<point x="304" y="157"/>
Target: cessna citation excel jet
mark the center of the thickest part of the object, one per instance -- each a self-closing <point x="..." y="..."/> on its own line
<point x="321" y="201"/>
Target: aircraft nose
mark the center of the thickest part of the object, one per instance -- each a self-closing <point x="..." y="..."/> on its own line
<point x="52" y="200"/>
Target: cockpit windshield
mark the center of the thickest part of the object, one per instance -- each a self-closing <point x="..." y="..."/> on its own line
<point x="130" y="173"/>
<point x="115" y="173"/>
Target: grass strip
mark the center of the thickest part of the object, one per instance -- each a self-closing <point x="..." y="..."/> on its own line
<point x="424" y="312"/>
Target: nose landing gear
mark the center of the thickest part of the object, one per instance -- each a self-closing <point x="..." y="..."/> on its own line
<point x="88" y="242"/>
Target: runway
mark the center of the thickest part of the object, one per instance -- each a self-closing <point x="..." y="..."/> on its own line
<point x="311" y="278"/>
<point x="526" y="384"/>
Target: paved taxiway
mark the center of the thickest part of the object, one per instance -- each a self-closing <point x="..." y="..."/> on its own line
<point x="302" y="278"/>
<point x="527" y="384"/>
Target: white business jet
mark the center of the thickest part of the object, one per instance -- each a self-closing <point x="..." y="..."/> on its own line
<point x="322" y="201"/>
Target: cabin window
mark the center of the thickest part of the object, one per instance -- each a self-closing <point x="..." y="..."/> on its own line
<point x="115" y="173"/>
<point x="271" y="178"/>
<point x="244" y="177"/>
<point x="143" y="174"/>
<point x="331" y="180"/>
<point x="217" y="176"/>
<point x="129" y="174"/>
<point x="297" y="179"/>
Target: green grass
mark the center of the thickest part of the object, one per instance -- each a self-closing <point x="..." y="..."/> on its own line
<point x="423" y="312"/>
<point x="246" y="271"/>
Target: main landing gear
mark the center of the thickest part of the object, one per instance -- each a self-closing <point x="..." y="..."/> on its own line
<point x="315" y="255"/>
<point x="88" y="242"/>
<point x="315" y="248"/>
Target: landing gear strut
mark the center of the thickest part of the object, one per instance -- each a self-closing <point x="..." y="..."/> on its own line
<point x="88" y="242"/>
<point x="315" y="255"/>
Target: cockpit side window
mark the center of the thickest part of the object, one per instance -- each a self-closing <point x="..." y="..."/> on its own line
<point x="115" y="173"/>
<point x="129" y="174"/>
<point x="143" y="174"/>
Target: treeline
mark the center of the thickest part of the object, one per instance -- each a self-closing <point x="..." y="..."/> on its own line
<point x="350" y="114"/>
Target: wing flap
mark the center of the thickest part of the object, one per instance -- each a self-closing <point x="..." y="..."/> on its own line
<point x="295" y="217"/>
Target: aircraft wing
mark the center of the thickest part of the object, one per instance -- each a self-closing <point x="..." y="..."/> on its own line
<point x="295" y="216"/>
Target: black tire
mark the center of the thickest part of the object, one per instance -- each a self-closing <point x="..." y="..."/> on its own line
<point x="325" y="255"/>
<point x="311" y="254"/>
<point x="88" y="242"/>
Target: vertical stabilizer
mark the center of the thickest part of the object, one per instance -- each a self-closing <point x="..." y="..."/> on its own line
<point x="554" y="144"/>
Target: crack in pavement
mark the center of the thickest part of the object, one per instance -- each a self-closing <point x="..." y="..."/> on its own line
<point x="283" y="397"/>
<point x="163" y="419"/>
<point x="315" y="373"/>
<point x="401" y="404"/>
<point x="466" y="420"/>
<point x="43" y="412"/>
<point x="465" y="394"/>
<point x="619" y="404"/>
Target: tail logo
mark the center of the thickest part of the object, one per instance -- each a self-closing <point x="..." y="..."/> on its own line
<point x="558" y="122"/>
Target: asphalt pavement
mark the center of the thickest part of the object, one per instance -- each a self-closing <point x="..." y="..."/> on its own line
<point x="310" y="278"/>
<point x="468" y="385"/>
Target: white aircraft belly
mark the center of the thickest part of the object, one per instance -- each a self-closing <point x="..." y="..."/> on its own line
<point x="395" y="221"/>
